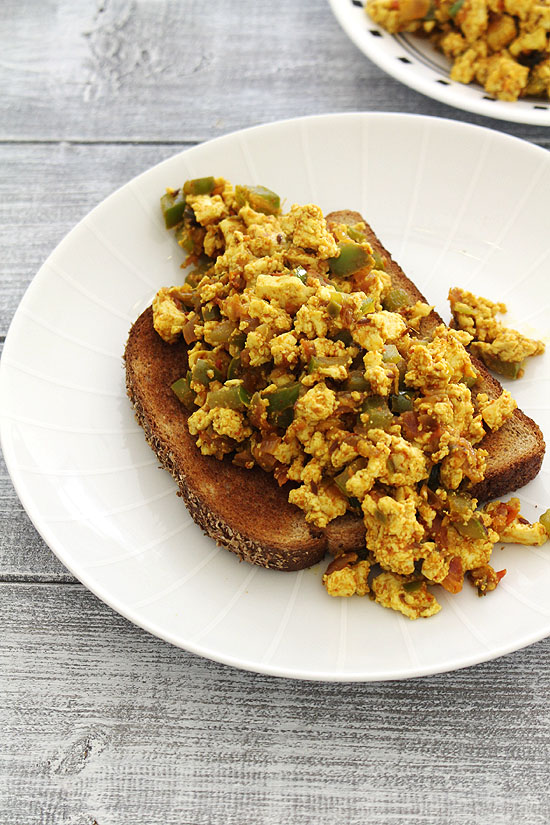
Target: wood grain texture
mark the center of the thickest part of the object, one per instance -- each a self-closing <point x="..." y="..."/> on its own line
<point x="100" y="722"/>
<point x="105" y="723"/>
<point x="132" y="69"/>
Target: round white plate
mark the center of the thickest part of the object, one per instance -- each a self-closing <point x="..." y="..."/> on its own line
<point x="414" y="62"/>
<point x="91" y="484"/>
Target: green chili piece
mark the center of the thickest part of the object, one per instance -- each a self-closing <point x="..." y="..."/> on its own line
<point x="319" y="362"/>
<point x="396" y="299"/>
<point x="356" y="382"/>
<point x="379" y="261"/>
<point x="300" y="273"/>
<point x="238" y="339"/>
<point x="391" y="354"/>
<point x="455" y="8"/>
<point x="199" y="186"/>
<point x="282" y="418"/>
<point x="234" y="369"/>
<point x="355" y="234"/>
<point x="459" y="504"/>
<point x="334" y="308"/>
<point x="234" y="397"/>
<point x="545" y="521"/>
<point x="264" y="200"/>
<point x="352" y="257"/>
<point x="184" y="239"/>
<point x="172" y="205"/>
<point x="345" y="336"/>
<point x="378" y="411"/>
<point x="183" y="392"/>
<point x="204" y="263"/>
<point x="430" y="14"/>
<point x="283" y="398"/>
<point x="413" y="586"/>
<point x="194" y="277"/>
<point x="222" y="332"/>
<point x="470" y="380"/>
<point x="473" y="529"/>
<point x="260" y="198"/>
<point x="510" y="369"/>
<point x="401" y="403"/>
<point x="204" y="372"/>
<point x="211" y="313"/>
<point x="189" y="299"/>
<point x="367" y="307"/>
<point x="342" y="478"/>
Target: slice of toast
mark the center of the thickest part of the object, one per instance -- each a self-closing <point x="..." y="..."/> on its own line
<point x="245" y="510"/>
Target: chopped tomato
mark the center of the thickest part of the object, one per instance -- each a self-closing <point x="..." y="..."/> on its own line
<point x="454" y="579"/>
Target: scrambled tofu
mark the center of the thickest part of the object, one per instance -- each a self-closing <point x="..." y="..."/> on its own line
<point x="512" y="527"/>
<point x="497" y="411"/>
<point x="407" y="596"/>
<point x="304" y="360"/>
<point x="347" y="577"/>
<point x="503" y="350"/>
<point x="504" y="45"/>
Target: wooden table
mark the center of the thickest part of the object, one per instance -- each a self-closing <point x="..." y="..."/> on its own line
<point x="100" y="722"/>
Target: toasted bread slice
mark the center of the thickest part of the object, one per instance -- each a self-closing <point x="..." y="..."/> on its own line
<point x="245" y="510"/>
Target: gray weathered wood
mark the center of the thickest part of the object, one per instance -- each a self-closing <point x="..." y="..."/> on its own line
<point x="106" y="723"/>
<point x="100" y="722"/>
<point x="184" y="71"/>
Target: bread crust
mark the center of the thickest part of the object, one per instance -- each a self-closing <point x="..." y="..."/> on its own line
<point x="245" y="510"/>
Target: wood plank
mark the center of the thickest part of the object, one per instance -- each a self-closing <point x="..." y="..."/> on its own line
<point x="107" y="724"/>
<point x="187" y="71"/>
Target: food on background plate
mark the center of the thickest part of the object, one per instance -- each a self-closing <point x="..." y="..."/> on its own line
<point x="307" y="400"/>
<point x="504" y="45"/>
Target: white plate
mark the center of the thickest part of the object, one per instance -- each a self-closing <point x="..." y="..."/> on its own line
<point x="91" y="484"/>
<point x="417" y="64"/>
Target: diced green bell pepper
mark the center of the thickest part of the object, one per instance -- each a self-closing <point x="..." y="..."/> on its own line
<point x="352" y="257"/>
<point x="356" y="382"/>
<point x="199" y="186"/>
<point x="204" y="372"/>
<point x="283" y="398"/>
<point x="413" y="586"/>
<point x="380" y="415"/>
<point x="545" y="521"/>
<point x="183" y="391"/>
<point x="403" y="402"/>
<point x="172" y="205"/>
<point x="509" y="369"/>
<point x="472" y="529"/>
<point x="234" y="397"/>
<point x="211" y="313"/>
<point x="260" y="198"/>
<point x="355" y="234"/>
<point x="299" y="272"/>
<point x="396" y="299"/>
